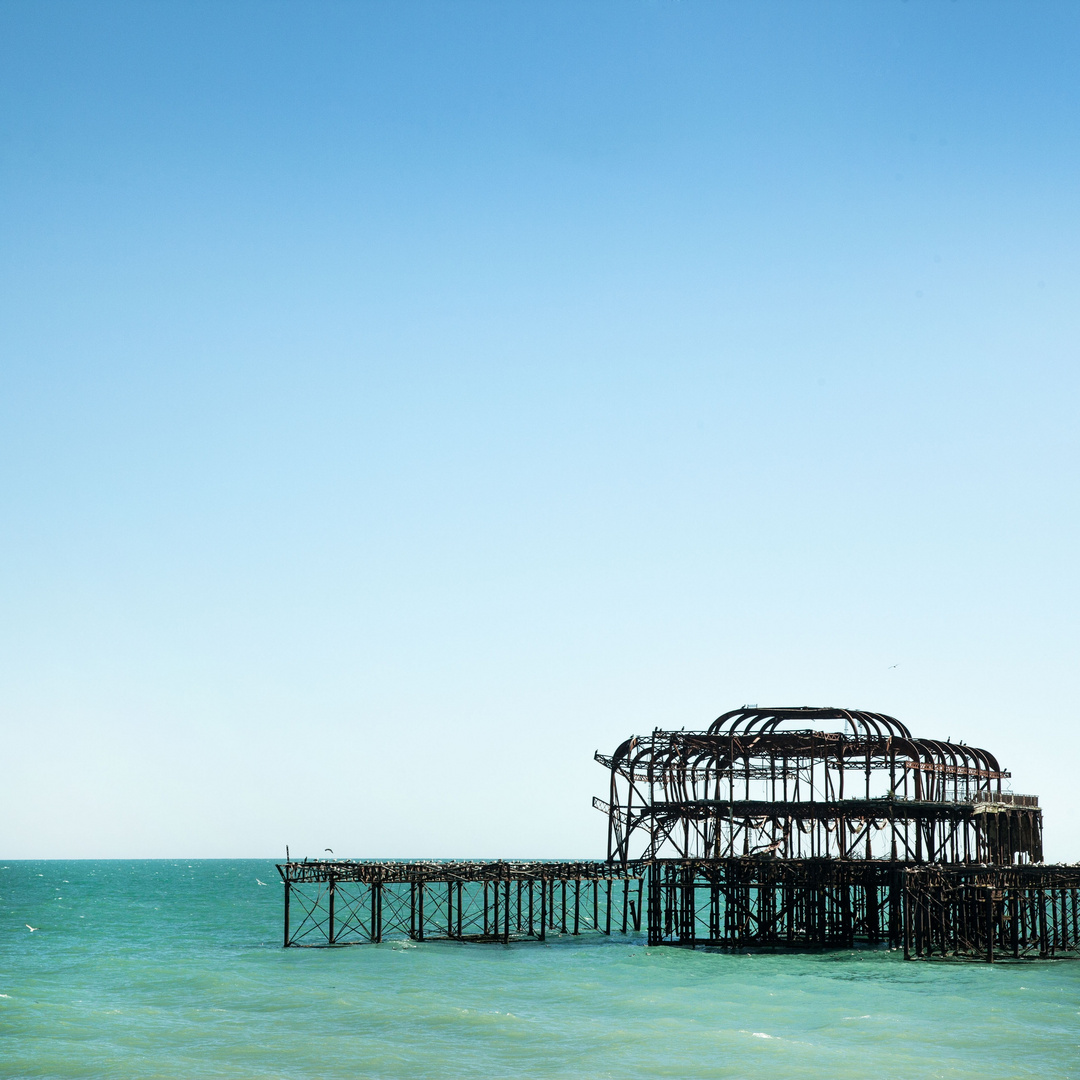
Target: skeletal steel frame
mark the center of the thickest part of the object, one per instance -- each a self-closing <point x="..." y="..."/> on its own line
<point x="351" y="902"/>
<point x="795" y="827"/>
<point x="767" y="781"/>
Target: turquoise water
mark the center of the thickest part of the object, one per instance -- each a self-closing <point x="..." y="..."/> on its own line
<point x="174" y="969"/>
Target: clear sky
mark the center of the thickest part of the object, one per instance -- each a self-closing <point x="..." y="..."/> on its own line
<point x="400" y="401"/>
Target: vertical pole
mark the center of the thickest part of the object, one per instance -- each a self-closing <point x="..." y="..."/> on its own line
<point x="378" y="910"/>
<point x="420" y="909"/>
<point x="543" y="910"/>
<point x="450" y="909"/>
<point x="1043" y="937"/>
<point x="577" y="902"/>
<point x="459" y="909"/>
<point x="1053" y="922"/>
<point x="989" y="926"/>
<point x="905" y="900"/>
<point x="655" y="921"/>
<point x="288" y="890"/>
<point x="626" y="900"/>
<point x="374" y="914"/>
<point x="607" y="917"/>
<point x="530" y="907"/>
<point x="1015" y="920"/>
<point x="330" y="924"/>
<point x="506" y="912"/>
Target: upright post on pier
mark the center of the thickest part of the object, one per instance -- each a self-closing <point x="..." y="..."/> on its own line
<point x="543" y="910"/>
<point x="288" y="889"/>
<point x="1014" y="923"/>
<point x="330" y="924"/>
<point x="654" y="921"/>
<point x="989" y="926"/>
<point x="906" y="903"/>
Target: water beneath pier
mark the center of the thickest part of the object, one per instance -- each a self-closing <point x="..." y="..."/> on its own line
<point x="175" y="969"/>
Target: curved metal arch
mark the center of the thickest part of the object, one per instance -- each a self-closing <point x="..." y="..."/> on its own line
<point x="749" y="720"/>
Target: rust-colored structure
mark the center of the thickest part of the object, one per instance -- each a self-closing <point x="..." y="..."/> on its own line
<point x="798" y="827"/>
<point x="811" y="783"/>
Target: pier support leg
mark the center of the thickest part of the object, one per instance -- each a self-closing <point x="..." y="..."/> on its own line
<point x="288" y="890"/>
<point x="330" y="924"/>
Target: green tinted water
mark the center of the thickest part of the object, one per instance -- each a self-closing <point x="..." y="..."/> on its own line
<point x="174" y="969"/>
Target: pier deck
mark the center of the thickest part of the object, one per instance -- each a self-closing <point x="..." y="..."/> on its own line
<point x="353" y="902"/>
<point x="962" y="912"/>
<point x="800" y="826"/>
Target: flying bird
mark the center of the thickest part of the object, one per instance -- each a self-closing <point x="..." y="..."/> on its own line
<point x="330" y="849"/>
<point x="891" y="666"/>
<point x="260" y="882"/>
<point x="31" y="928"/>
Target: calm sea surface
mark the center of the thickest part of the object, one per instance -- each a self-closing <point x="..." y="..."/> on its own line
<point x="174" y="969"/>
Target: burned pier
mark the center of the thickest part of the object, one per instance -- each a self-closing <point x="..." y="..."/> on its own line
<point x="768" y="781"/>
<point x="797" y="827"/>
<point x="350" y="902"/>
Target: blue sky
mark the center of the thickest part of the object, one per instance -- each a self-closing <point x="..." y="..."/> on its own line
<point x="400" y="401"/>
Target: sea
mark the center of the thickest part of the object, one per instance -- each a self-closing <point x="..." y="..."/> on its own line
<point x="174" y="969"/>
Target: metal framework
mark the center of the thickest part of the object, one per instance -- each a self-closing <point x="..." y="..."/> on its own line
<point x="964" y="912"/>
<point x="809" y="783"/>
<point x="350" y="902"/>
<point x="801" y="827"/>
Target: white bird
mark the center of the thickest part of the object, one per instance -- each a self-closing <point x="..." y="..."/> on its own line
<point x="31" y="928"/>
<point x="260" y="882"/>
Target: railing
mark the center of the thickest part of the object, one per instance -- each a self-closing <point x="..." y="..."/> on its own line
<point x="1005" y="798"/>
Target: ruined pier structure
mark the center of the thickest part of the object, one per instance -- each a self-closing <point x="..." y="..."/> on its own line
<point x="796" y="827"/>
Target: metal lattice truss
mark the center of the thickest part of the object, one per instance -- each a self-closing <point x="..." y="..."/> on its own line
<point x="971" y="912"/>
<point x="813" y="783"/>
<point x="349" y="902"/>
